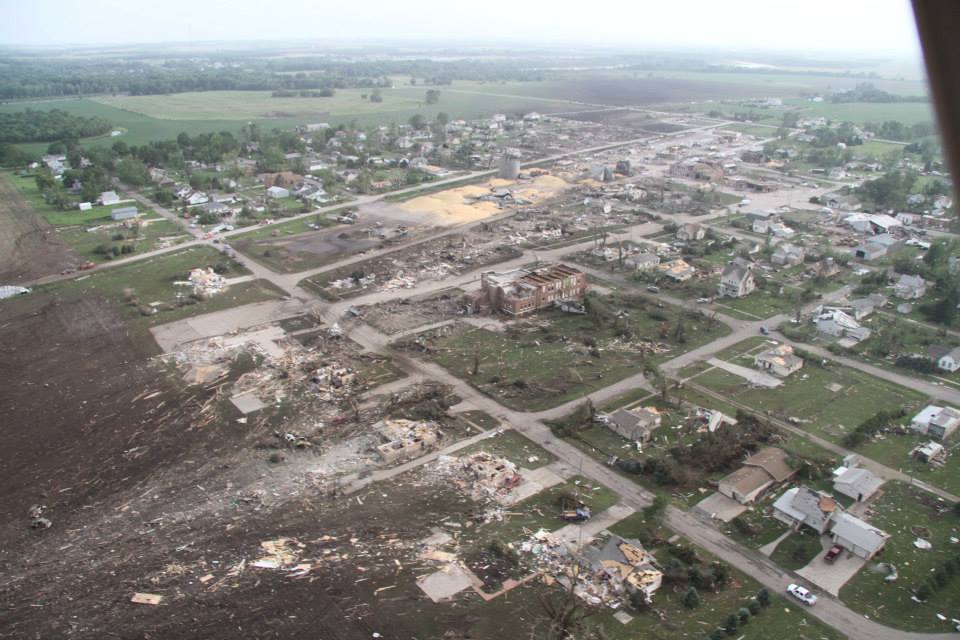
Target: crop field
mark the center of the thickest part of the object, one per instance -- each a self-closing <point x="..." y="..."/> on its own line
<point x="398" y="105"/>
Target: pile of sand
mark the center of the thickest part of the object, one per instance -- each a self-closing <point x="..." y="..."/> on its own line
<point x="460" y="205"/>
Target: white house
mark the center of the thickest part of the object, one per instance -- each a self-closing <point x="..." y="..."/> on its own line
<point x="108" y="198"/>
<point x="788" y="254"/>
<point x="936" y="422"/>
<point x="736" y="281"/>
<point x="858" y="537"/>
<point x="855" y="483"/>
<point x="643" y="261"/>
<point x="691" y="231"/>
<point x="197" y="198"/>
<point x="949" y="360"/>
<point x="910" y="287"/>
<point x="779" y="360"/>
<point x="278" y="192"/>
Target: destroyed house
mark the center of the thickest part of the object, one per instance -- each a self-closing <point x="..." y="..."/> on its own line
<point x="625" y="565"/>
<point x="405" y="438"/>
<point x="526" y="291"/>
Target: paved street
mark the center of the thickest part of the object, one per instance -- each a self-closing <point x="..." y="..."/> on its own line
<point x="531" y="424"/>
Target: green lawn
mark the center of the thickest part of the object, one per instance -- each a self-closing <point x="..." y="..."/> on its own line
<point x="828" y="401"/>
<point x="544" y="367"/>
<point x="753" y="130"/>
<point x="897" y="512"/>
<point x="152" y="280"/>
<point x="79" y="228"/>
<point x="798" y="549"/>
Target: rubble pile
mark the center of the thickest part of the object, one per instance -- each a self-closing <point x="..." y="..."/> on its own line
<point x="406" y="438"/>
<point x="204" y="283"/>
<point x="482" y="476"/>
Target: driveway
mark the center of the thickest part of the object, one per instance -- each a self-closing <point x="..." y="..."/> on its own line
<point x="754" y="377"/>
<point x="720" y="507"/>
<point x="832" y="577"/>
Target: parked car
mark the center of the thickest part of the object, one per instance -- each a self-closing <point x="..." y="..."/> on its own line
<point x="833" y="553"/>
<point x="801" y="594"/>
<point x="765" y="331"/>
<point x="653" y="288"/>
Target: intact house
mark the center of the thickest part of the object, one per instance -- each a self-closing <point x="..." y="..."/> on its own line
<point x="803" y="506"/>
<point x="625" y="565"/>
<point x="863" y="307"/>
<point x="936" y="422"/>
<point x="277" y="192"/>
<point x="779" y="360"/>
<point x="760" y="471"/>
<point x="524" y="291"/>
<point x="636" y="425"/>
<point x="678" y="270"/>
<point x="642" y="261"/>
<point x="856" y="483"/>
<point x="945" y="358"/>
<point x="910" y="287"/>
<point x="788" y="254"/>
<point x="691" y="231"/>
<point x="860" y="538"/>
<point x="736" y="281"/>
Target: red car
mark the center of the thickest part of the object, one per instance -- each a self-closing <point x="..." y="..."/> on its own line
<point x="833" y="553"/>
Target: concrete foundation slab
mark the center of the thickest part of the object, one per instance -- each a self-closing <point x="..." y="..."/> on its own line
<point x="447" y="582"/>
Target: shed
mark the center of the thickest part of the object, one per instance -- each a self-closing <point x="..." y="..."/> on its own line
<point x="124" y="213"/>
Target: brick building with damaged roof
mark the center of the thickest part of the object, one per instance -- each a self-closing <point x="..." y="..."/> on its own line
<point x="523" y="291"/>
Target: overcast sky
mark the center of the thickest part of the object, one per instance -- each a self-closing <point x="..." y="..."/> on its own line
<point x="854" y="26"/>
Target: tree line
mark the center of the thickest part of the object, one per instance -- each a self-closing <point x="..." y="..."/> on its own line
<point x="46" y="126"/>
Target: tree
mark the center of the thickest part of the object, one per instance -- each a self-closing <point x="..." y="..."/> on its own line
<point x="763" y="597"/>
<point x="743" y="614"/>
<point x="418" y="122"/>
<point x="730" y="626"/>
<point x="433" y="96"/>
<point x="443" y="118"/>
<point x="654" y="511"/>
<point x="376" y="96"/>
<point x="691" y="599"/>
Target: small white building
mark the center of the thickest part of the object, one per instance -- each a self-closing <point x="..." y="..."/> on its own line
<point x="278" y="192"/>
<point x="108" y="198"/>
